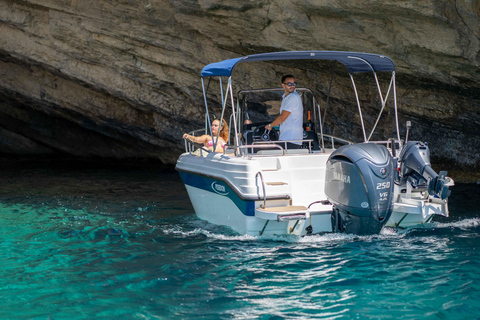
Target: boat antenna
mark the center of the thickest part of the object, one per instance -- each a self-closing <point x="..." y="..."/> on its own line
<point x="396" y="109"/>
<point x="409" y="126"/>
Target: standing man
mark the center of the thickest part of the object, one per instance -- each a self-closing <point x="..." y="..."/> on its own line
<point x="291" y="114"/>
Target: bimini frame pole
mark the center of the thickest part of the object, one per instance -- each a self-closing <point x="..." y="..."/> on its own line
<point x="384" y="101"/>
<point x="206" y="106"/>
<point x="215" y="140"/>
<point x="228" y="91"/>
<point x="392" y="82"/>
<point x="224" y="98"/>
<point x="359" y="108"/>
<point x="334" y="64"/>
<point x="237" y="141"/>
<point x="396" y="109"/>
<point x="320" y="121"/>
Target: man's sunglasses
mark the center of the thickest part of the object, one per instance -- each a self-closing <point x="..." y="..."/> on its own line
<point x="291" y="84"/>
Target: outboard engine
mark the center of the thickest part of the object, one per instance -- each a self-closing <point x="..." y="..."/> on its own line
<point x="359" y="183"/>
<point x="417" y="171"/>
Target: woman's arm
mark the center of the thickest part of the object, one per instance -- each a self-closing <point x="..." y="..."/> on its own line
<point x="200" y="139"/>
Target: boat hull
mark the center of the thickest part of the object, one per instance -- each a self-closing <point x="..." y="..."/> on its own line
<point x="280" y="195"/>
<point x="231" y="193"/>
<point x="410" y="212"/>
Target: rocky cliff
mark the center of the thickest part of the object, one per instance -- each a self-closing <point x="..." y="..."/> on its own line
<point x="121" y="78"/>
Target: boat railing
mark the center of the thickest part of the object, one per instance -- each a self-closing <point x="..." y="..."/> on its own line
<point x="269" y="148"/>
<point x="255" y="149"/>
<point x="285" y="143"/>
<point x="332" y="140"/>
<point x="191" y="146"/>
<point x="392" y="145"/>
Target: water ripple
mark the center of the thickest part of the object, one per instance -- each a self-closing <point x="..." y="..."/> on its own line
<point x="87" y="257"/>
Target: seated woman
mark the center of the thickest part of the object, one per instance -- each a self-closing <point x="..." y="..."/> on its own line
<point x="207" y="139"/>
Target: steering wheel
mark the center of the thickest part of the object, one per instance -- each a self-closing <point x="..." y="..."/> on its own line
<point x="262" y="134"/>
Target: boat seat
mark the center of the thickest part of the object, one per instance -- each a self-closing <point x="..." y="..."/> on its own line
<point x="276" y="183"/>
<point x="271" y="152"/>
<point x="297" y="151"/>
<point x="284" y="209"/>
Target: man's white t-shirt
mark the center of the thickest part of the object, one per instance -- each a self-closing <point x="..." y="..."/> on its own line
<point x="292" y="128"/>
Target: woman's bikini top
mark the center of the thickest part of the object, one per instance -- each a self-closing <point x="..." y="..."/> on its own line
<point x="210" y="143"/>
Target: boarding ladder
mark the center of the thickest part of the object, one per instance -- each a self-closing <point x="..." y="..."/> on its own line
<point x="278" y="213"/>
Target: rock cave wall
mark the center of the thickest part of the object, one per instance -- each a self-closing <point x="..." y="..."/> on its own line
<point x="120" y="79"/>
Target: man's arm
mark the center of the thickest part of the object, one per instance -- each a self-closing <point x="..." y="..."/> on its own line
<point x="280" y="119"/>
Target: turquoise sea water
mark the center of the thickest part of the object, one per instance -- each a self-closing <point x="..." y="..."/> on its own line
<point x="105" y="241"/>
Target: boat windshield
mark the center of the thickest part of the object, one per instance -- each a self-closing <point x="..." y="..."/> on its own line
<point x="263" y="105"/>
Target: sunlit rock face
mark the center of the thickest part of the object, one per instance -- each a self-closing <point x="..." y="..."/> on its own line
<point x="120" y="78"/>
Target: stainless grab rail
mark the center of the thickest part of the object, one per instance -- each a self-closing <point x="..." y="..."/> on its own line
<point x="242" y="149"/>
<point x="263" y="187"/>
<point x="333" y="139"/>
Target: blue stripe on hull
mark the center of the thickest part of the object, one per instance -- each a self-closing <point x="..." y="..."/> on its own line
<point x="218" y="187"/>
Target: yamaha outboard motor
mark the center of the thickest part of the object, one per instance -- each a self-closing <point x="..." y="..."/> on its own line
<point x="417" y="171"/>
<point x="359" y="184"/>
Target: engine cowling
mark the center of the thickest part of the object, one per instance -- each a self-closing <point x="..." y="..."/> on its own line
<point x="417" y="171"/>
<point x="359" y="184"/>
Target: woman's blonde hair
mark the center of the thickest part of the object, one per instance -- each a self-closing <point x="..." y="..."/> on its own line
<point x="224" y="130"/>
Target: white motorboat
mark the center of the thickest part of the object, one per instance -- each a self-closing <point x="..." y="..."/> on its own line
<point x="258" y="186"/>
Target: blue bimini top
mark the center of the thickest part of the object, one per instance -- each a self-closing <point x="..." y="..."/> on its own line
<point x="355" y="62"/>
